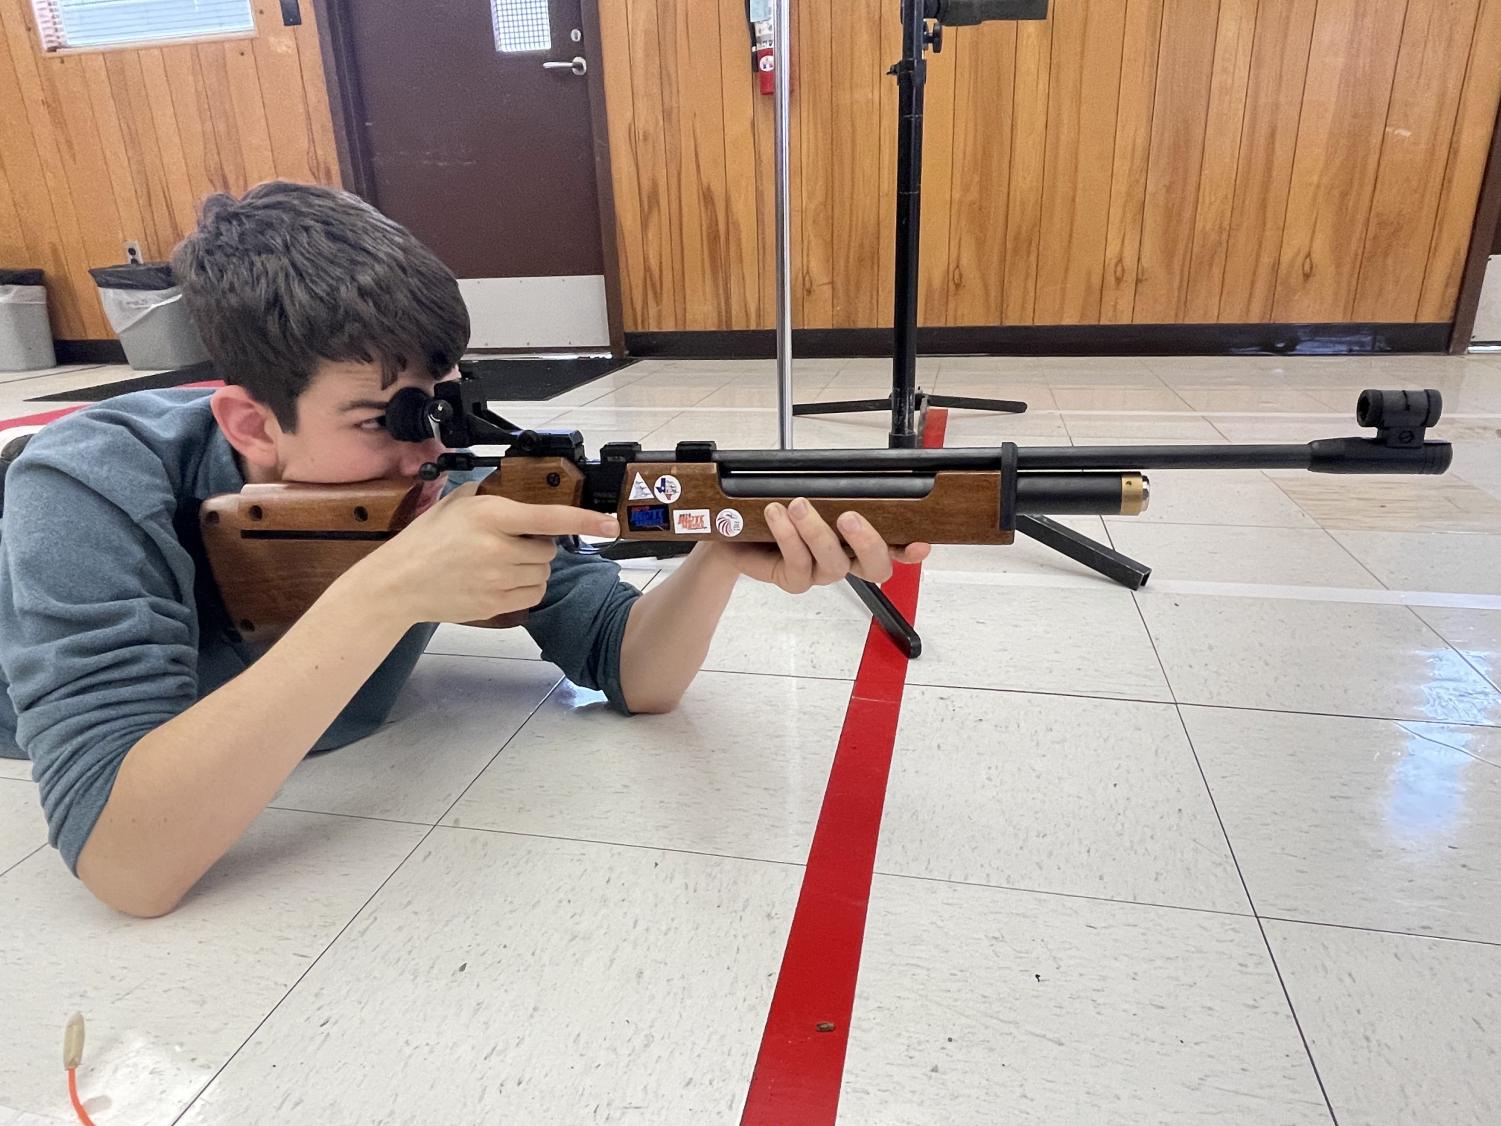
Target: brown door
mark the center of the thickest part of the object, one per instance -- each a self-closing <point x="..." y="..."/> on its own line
<point x="486" y="152"/>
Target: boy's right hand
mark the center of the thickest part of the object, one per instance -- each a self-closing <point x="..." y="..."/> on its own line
<point x="469" y="558"/>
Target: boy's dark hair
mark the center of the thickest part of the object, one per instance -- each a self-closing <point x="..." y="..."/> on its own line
<point x="292" y="274"/>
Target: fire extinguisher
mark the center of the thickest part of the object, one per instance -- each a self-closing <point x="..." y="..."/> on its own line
<point x="762" y="54"/>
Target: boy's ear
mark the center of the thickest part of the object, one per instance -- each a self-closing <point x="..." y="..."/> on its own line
<point x="250" y="426"/>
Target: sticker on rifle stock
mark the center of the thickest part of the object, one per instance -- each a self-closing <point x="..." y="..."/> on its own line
<point x="647" y="518"/>
<point x="728" y="523"/>
<point x="667" y="488"/>
<point x="639" y="491"/>
<point x="691" y="521"/>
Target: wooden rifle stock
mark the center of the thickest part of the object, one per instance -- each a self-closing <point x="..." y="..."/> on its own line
<point x="274" y="549"/>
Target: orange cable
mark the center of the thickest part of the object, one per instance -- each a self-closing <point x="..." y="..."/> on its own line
<point x="83" y="1115"/>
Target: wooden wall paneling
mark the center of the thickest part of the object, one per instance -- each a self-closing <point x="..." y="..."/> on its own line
<point x="856" y="164"/>
<point x="766" y="212"/>
<point x="1233" y="44"/>
<point x="216" y="107"/>
<point x="30" y="188"/>
<point x="627" y="171"/>
<point x="1031" y="80"/>
<point x="1185" y="72"/>
<point x="1465" y="169"/>
<point x="44" y="123"/>
<point x="115" y="156"/>
<point x="813" y="169"/>
<point x="701" y="192"/>
<point x="147" y="169"/>
<point x="315" y="95"/>
<point x="1269" y="137"/>
<point x="85" y="169"/>
<point x="1355" y="46"/>
<point x="668" y="95"/>
<point x="288" y="116"/>
<point x="193" y="115"/>
<point x="169" y="138"/>
<point x="1083" y="93"/>
<point x="1419" y="125"/>
<point x="933" y="272"/>
<point x="1133" y="147"/>
<point x="249" y="112"/>
<point x="737" y="93"/>
<point x="13" y="249"/>
<point x="984" y="89"/>
<point x="663" y="289"/>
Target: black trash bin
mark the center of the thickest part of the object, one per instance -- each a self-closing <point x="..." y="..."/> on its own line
<point x="145" y="308"/>
<point x="25" y="331"/>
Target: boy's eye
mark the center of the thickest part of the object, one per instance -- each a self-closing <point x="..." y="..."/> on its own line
<point x="373" y="424"/>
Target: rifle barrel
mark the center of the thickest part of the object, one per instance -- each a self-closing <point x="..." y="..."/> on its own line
<point x="1329" y="455"/>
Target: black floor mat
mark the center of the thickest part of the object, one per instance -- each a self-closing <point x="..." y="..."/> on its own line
<point x="535" y="380"/>
<point x="194" y="373"/>
<point x="502" y="378"/>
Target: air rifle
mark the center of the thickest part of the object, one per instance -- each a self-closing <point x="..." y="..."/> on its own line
<point x="273" y="549"/>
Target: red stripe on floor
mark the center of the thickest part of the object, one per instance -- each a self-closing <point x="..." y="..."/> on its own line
<point x="800" y="1069"/>
<point x="50" y="416"/>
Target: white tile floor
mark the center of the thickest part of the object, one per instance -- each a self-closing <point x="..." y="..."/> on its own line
<point x="1223" y="850"/>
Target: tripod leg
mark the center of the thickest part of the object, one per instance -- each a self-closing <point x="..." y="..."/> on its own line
<point x="959" y="402"/>
<point x="880" y="607"/>
<point x="848" y="406"/>
<point x="1096" y="556"/>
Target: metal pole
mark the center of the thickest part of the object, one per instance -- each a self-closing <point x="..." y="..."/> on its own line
<point x="911" y="75"/>
<point x="781" y="44"/>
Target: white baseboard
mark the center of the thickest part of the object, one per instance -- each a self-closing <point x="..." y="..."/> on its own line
<point x="1488" y="316"/>
<point x="566" y="312"/>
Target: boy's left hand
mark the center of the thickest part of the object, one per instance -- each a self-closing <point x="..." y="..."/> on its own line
<point x="809" y="553"/>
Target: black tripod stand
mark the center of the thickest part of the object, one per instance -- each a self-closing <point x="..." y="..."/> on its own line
<point x="907" y="402"/>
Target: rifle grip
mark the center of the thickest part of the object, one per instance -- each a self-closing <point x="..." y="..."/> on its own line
<point x="531" y="480"/>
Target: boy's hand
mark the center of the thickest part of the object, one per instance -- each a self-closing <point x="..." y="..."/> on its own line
<point x="469" y="558"/>
<point x="809" y="553"/>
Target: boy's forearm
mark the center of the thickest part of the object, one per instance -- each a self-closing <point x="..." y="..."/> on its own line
<point x="188" y="790"/>
<point x="670" y="627"/>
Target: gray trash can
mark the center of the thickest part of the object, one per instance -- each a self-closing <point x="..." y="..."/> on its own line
<point x="145" y="308"/>
<point x="25" y="331"/>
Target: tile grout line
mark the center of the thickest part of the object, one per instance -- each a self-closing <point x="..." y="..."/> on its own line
<point x="1240" y="874"/>
<point x="1453" y="648"/>
<point x="1056" y="693"/>
<point x="1346" y="549"/>
<point x="353" y="918"/>
<point x="23" y="860"/>
<point x="353" y="816"/>
<point x="1012" y="888"/>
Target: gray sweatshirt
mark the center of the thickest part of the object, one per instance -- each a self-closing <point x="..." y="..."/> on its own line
<point x="110" y="624"/>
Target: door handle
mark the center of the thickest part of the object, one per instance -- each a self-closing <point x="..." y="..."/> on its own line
<point x="579" y="65"/>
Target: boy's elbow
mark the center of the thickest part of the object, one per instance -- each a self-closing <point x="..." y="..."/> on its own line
<point x="128" y="890"/>
<point x="658" y="703"/>
<point x="141" y="902"/>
